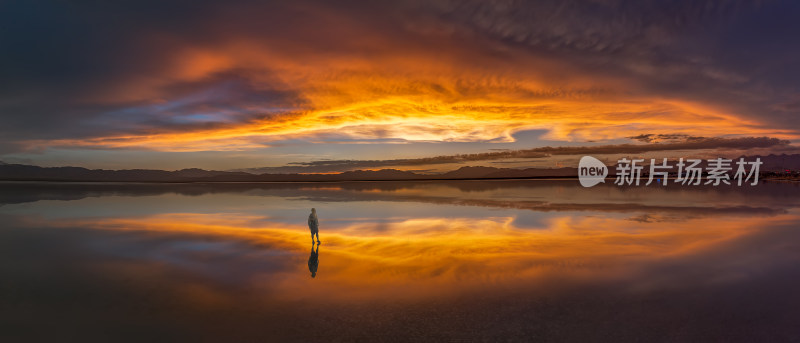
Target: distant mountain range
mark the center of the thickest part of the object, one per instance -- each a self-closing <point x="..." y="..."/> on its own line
<point x="19" y="172"/>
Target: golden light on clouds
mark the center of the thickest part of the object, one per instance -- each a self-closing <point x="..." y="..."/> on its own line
<point x="448" y="95"/>
<point x="397" y="119"/>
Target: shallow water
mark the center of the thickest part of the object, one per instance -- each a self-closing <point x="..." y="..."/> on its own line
<point x="400" y="261"/>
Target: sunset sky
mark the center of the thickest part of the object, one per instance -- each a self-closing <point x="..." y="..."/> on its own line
<point x="314" y="86"/>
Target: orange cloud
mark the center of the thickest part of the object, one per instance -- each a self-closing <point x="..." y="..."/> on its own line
<point x="408" y="92"/>
<point x="402" y="72"/>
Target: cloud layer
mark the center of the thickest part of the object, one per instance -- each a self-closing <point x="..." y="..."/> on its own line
<point x="244" y="75"/>
<point x="679" y="143"/>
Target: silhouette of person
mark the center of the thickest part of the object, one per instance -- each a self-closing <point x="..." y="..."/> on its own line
<point x="313" y="225"/>
<point x="313" y="260"/>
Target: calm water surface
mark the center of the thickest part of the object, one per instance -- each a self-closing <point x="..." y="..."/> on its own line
<point x="399" y="261"/>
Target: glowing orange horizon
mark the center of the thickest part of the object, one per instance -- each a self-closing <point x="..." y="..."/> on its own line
<point x="422" y="97"/>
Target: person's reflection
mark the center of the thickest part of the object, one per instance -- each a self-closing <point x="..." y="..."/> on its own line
<point x="313" y="260"/>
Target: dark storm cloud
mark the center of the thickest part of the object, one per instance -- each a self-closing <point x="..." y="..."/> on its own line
<point x="737" y="55"/>
<point x="73" y="69"/>
<point x="213" y="102"/>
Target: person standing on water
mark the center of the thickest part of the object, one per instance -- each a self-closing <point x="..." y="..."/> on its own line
<point x="313" y="225"/>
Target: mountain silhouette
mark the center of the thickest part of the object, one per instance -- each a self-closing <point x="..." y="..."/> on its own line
<point x="19" y="172"/>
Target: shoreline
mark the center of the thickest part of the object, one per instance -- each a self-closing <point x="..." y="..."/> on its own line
<point x="298" y="181"/>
